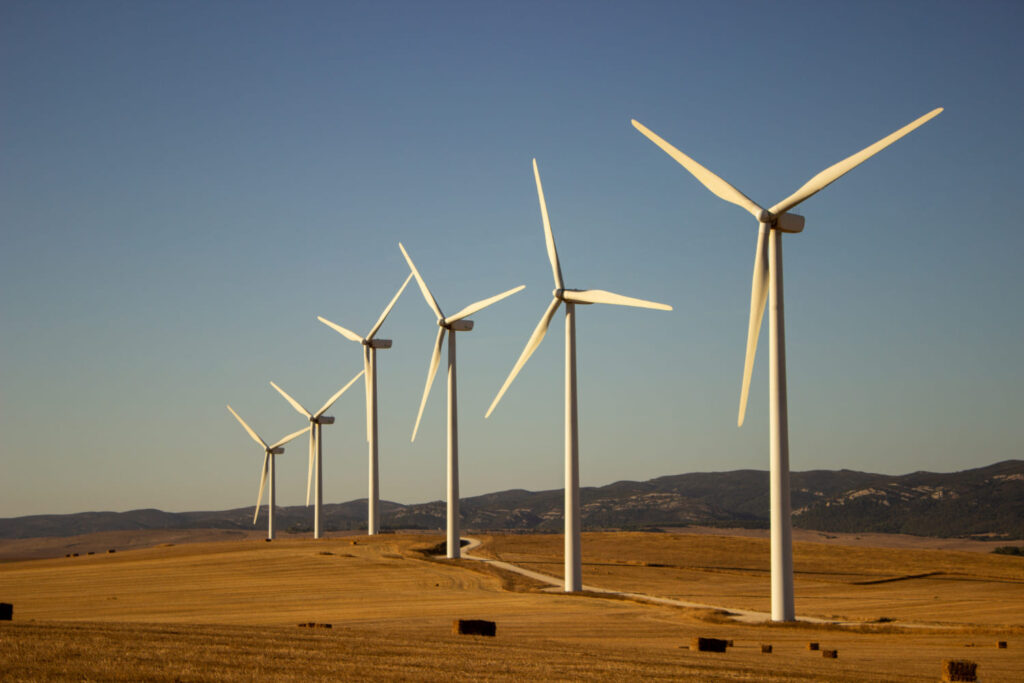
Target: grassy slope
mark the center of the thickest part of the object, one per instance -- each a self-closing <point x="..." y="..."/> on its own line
<point x="228" y="611"/>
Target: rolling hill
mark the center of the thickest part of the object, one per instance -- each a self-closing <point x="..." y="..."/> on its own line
<point x="985" y="502"/>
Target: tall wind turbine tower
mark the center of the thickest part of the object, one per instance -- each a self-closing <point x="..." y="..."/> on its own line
<point x="767" y="286"/>
<point x="452" y="324"/>
<point x="570" y="297"/>
<point x="370" y="346"/>
<point x="316" y="422"/>
<point x="269" y="451"/>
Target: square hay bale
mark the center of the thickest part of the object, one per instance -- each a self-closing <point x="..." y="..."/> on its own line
<point x="111" y="551"/>
<point x="474" y="627"/>
<point x="830" y="654"/>
<point x="1001" y="644"/>
<point x="325" y="625"/>
<point x="708" y="644"/>
<point x="812" y="646"/>
<point x="766" y="649"/>
<point x="6" y="611"/>
<point x="959" y="670"/>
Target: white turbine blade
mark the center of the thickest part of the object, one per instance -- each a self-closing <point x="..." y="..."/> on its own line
<point x="549" y="238"/>
<point x="291" y="436"/>
<point x="253" y="434"/>
<point x="263" y="481"/>
<point x="295" y="404"/>
<point x="435" y="360"/>
<point x="366" y="382"/>
<point x="599" y="296"/>
<point x="387" y="310"/>
<point x="535" y="339"/>
<point x="706" y="177"/>
<point x="332" y="399"/>
<point x="338" y="328"/>
<point x="431" y="301"/>
<point x="480" y="305"/>
<point x="836" y="171"/>
<point x="758" y="299"/>
<point x="309" y="472"/>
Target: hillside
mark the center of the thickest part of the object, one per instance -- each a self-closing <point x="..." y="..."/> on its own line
<point x="987" y="501"/>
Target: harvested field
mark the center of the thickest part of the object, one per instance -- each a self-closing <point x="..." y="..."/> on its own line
<point x="228" y="611"/>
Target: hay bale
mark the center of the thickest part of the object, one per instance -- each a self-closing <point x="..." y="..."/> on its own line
<point x="708" y="644"/>
<point x="959" y="670"/>
<point x="325" y="626"/>
<point x="6" y="611"/>
<point x="474" y="627"/>
<point x="730" y="644"/>
<point x="92" y="552"/>
<point x="1001" y="644"/>
<point x="766" y="649"/>
<point x="111" y="551"/>
<point x="812" y="646"/>
<point x="830" y="654"/>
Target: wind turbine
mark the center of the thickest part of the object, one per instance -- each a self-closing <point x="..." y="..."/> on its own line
<point x="453" y="324"/>
<point x="268" y="467"/>
<point x="767" y="282"/>
<point x="370" y="346"/>
<point x="571" y="297"/>
<point x="316" y="421"/>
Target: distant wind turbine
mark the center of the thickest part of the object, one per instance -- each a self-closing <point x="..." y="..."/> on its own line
<point x="268" y="468"/>
<point x="571" y="297"/>
<point x="767" y="282"/>
<point x="316" y="421"/>
<point x="370" y="346"/>
<point x="453" y="324"/>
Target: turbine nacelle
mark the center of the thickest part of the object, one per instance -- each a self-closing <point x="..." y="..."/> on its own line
<point x="456" y="325"/>
<point x="787" y="222"/>
<point x="275" y="451"/>
<point x="377" y="343"/>
<point x="325" y="420"/>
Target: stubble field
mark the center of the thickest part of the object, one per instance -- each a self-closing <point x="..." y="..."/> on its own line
<point x="228" y="610"/>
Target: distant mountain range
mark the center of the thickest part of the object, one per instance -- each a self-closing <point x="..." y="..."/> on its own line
<point x="986" y="502"/>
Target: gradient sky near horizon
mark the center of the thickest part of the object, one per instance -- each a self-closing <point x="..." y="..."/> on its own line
<point x="186" y="186"/>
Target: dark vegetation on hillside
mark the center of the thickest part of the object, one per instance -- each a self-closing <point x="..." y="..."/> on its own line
<point x="987" y="502"/>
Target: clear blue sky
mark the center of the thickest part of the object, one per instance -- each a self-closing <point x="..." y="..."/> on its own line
<point x="185" y="186"/>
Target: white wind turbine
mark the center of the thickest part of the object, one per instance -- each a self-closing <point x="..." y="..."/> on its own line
<point x="571" y="297"/>
<point x="316" y="422"/>
<point x="453" y="324"/>
<point x="767" y="282"/>
<point x="268" y="468"/>
<point x="370" y="346"/>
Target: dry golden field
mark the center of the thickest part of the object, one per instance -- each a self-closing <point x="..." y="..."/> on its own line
<point x="228" y="610"/>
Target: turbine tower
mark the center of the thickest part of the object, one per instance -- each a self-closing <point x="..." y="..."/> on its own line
<point x="370" y="346"/>
<point x="452" y="324"/>
<point x="767" y="284"/>
<point x="571" y="297"/>
<point x="268" y="468"/>
<point x="316" y="421"/>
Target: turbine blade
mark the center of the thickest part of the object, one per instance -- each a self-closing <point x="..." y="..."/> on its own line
<point x="366" y="382"/>
<point x="387" y="310"/>
<point x="309" y="472"/>
<point x="332" y="399"/>
<point x="263" y="481"/>
<point x="431" y="301"/>
<point x="338" y="328"/>
<point x="706" y="177"/>
<point x="480" y="305"/>
<point x="435" y="360"/>
<point x="758" y="299"/>
<point x="549" y="238"/>
<point x="295" y="404"/>
<point x="291" y="436"/>
<point x="599" y="296"/>
<point x="253" y="434"/>
<point x="837" y="171"/>
<point x="535" y="339"/>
